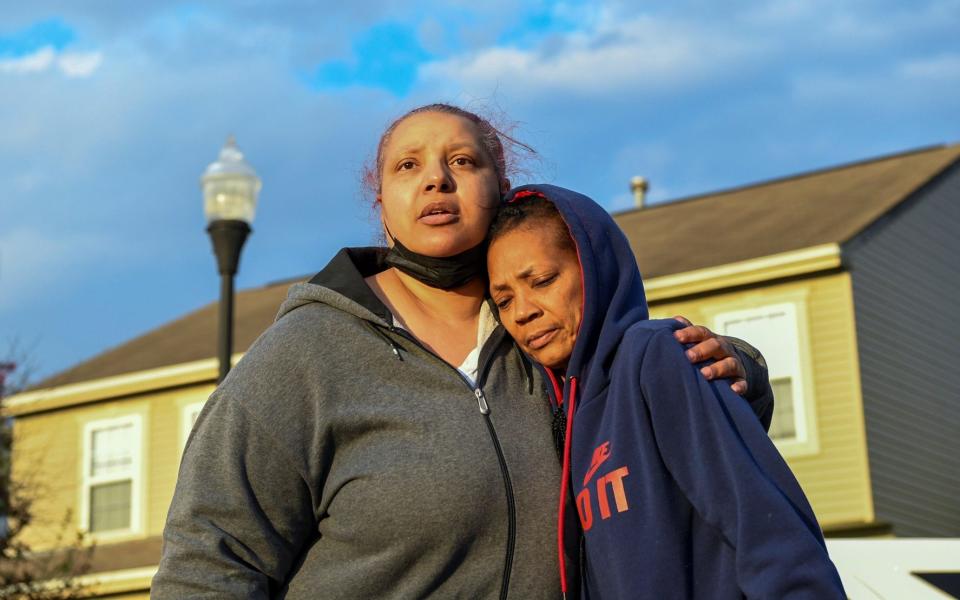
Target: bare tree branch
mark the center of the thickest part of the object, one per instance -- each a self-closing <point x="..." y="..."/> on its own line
<point x="25" y="574"/>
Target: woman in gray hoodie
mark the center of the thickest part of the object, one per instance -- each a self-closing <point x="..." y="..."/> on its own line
<point x="385" y="438"/>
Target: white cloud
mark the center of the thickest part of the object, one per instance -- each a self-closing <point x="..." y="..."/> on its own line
<point x="616" y="52"/>
<point x="79" y="64"/>
<point x="71" y="64"/>
<point x="41" y="60"/>
<point x="638" y="54"/>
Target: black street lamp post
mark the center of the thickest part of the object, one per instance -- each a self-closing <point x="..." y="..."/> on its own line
<point x="230" y="188"/>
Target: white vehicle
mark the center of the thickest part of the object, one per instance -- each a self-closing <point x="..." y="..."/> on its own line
<point x="898" y="569"/>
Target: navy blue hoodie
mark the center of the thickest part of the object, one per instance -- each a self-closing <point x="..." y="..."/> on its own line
<point x="679" y="491"/>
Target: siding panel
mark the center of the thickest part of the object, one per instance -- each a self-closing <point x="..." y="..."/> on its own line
<point x="906" y="281"/>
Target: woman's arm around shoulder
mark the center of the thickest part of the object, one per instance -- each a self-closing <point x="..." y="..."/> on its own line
<point x="730" y="358"/>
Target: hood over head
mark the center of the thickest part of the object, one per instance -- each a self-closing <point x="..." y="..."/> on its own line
<point x="613" y="297"/>
<point x="613" y="300"/>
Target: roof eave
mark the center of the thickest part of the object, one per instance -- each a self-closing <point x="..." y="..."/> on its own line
<point x="116" y="386"/>
<point x="804" y="261"/>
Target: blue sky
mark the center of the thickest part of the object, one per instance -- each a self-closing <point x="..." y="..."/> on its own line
<point x="111" y="111"/>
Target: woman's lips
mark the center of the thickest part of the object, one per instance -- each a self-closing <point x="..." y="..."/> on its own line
<point x="439" y="213"/>
<point x="541" y="339"/>
<point x="439" y="218"/>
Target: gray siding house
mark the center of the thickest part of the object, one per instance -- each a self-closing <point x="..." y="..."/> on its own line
<point x="906" y="289"/>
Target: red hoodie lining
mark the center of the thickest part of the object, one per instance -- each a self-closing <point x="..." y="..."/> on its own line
<point x="564" y="483"/>
<point x="525" y="194"/>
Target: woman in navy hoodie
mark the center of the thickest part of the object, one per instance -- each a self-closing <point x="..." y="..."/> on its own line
<point x="678" y="489"/>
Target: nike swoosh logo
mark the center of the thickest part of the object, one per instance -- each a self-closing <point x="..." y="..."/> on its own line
<point x="600" y="455"/>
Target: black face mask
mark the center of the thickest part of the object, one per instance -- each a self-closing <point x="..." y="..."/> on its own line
<point x="446" y="272"/>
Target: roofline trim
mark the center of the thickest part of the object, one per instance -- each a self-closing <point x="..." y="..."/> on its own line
<point x="199" y="371"/>
<point x="782" y="179"/>
<point x="755" y="270"/>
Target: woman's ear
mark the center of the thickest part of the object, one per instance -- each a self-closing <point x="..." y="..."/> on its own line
<point x="388" y="238"/>
<point x="504" y="186"/>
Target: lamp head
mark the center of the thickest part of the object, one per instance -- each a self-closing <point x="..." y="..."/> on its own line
<point x="230" y="187"/>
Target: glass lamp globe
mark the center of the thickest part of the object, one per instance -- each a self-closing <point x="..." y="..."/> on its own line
<point x="230" y="187"/>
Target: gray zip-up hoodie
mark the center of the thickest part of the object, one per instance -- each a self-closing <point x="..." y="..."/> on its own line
<point x="340" y="459"/>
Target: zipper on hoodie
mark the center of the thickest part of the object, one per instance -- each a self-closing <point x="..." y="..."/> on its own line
<point x="481" y="401"/>
<point x="508" y="485"/>
<point x="501" y="459"/>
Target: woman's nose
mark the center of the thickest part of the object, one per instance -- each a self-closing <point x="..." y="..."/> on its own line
<point x="526" y="311"/>
<point x="438" y="179"/>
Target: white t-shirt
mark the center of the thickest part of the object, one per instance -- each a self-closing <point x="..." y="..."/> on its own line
<point x="485" y="326"/>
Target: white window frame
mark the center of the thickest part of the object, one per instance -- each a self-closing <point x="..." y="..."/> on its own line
<point x="136" y="483"/>
<point x="806" y="441"/>
<point x="186" y="423"/>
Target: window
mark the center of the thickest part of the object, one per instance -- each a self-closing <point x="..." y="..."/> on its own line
<point x="784" y="422"/>
<point x="111" y="475"/>
<point x="775" y="330"/>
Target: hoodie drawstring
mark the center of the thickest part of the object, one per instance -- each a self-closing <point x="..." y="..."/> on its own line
<point x="393" y="344"/>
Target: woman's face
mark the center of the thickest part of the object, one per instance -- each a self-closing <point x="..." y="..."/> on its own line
<point x="536" y="285"/>
<point x="439" y="187"/>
